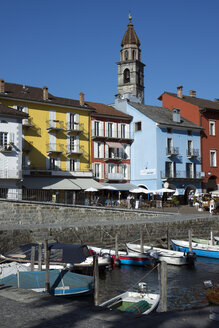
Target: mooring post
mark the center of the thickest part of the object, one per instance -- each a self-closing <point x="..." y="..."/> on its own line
<point x="141" y="242"/>
<point x="212" y="238"/>
<point x="40" y="257"/>
<point x="168" y="239"/>
<point x="163" y="286"/>
<point x="190" y="240"/>
<point x="96" y="280"/>
<point x="116" y="246"/>
<point x="46" y="257"/>
<point x="32" y="258"/>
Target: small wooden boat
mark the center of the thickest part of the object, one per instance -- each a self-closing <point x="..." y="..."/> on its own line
<point x="137" y="302"/>
<point x="74" y="256"/>
<point x="212" y="292"/>
<point x="200" y="249"/>
<point x="161" y="254"/>
<point x="125" y="258"/>
<point x="62" y="282"/>
<point x="205" y="241"/>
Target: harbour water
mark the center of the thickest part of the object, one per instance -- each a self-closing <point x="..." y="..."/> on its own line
<point x="185" y="289"/>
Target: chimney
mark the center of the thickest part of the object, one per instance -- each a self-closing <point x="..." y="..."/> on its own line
<point x="2" y="86"/>
<point x="192" y="93"/>
<point x="45" y="93"/>
<point x="81" y="99"/>
<point x="176" y="115"/>
<point x="216" y="99"/>
<point x="179" y="91"/>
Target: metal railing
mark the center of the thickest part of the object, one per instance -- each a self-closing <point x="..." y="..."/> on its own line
<point x="114" y="176"/>
<point x="74" y="127"/>
<point x="192" y="152"/>
<point x="55" y="125"/>
<point x="54" y="147"/>
<point x="180" y="175"/>
<point x="172" y="151"/>
<point x="6" y="147"/>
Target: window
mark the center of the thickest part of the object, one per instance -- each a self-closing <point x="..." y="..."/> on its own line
<point x="190" y="170"/>
<point x="133" y="54"/>
<point x="170" y="169"/>
<point x="3" y="139"/>
<point x="126" y="75"/>
<point x="110" y="130"/>
<point x="96" y="128"/>
<point x="126" y="55"/>
<point x="137" y="126"/>
<point x="190" y="147"/>
<point x="169" y="146"/>
<point x="73" y="125"/>
<point x="169" y="130"/>
<point x="189" y="132"/>
<point x="213" y="158"/>
<point x="72" y="164"/>
<point x="123" y="131"/>
<point x="54" y="164"/>
<point x="97" y="170"/>
<point x="112" y="168"/>
<point x="72" y="143"/>
<point x="98" y="149"/>
<point x="123" y="169"/>
<point x="212" y="128"/>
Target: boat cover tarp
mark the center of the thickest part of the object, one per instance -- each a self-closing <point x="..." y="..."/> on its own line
<point x="138" y="307"/>
<point x="58" y="278"/>
<point x="59" y="252"/>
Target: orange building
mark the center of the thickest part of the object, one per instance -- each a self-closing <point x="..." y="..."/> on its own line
<point x="205" y="113"/>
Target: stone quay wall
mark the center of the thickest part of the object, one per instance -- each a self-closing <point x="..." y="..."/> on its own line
<point x="23" y="222"/>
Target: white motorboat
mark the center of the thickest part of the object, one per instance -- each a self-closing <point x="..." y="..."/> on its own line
<point x="161" y="254"/>
<point x="136" y="302"/>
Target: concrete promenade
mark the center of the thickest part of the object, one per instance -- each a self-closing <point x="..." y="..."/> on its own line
<point x="27" y="309"/>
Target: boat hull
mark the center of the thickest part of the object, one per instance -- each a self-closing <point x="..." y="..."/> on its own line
<point x="199" y="249"/>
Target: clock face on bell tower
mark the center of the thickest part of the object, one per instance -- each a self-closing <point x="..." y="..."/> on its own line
<point x="130" y="67"/>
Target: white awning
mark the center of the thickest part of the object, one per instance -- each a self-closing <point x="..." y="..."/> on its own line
<point x="85" y="183"/>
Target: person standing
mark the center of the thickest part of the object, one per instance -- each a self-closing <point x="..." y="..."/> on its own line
<point x="211" y="206"/>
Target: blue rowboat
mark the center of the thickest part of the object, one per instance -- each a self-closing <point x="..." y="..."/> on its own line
<point x="200" y="249"/>
<point x="62" y="282"/>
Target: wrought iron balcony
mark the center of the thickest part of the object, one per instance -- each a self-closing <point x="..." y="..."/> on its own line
<point x="191" y="153"/>
<point x="27" y="122"/>
<point x="74" y="127"/>
<point x="6" y="148"/>
<point x="97" y="133"/>
<point x="54" y="125"/>
<point x="54" y="148"/>
<point x="172" y="151"/>
<point x="180" y="175"/>
<point x="114" y="176"/>
<point x="74" y="149"/>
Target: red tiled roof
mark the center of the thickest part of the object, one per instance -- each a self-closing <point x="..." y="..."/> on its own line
<point x="102" y="109"/>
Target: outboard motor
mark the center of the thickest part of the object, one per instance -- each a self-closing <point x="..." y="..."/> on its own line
<point x="154" y="257"/>
<point x="142" y="287"/>
<point x="69" y="267"/>
<point x="191" y="258"/>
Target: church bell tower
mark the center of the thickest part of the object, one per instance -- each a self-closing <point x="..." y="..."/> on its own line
<point x="130" y="67"/>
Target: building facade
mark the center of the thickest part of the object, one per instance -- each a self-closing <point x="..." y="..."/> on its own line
<point x="56" y="140"/>
<point x="110" y="144"/>
<point x="11" y="152"/>
<point x="206" y="114"/>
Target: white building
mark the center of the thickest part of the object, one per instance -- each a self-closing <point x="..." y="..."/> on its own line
<point x="11" y="152"/>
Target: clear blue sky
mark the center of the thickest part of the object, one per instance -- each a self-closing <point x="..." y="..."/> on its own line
<point x="73" y="46"/>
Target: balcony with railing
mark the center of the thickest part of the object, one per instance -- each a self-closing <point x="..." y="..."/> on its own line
<point x="74" y="149"/>
<point x="126" y="136"/>
<point x="54" y="125"/>
<point x="172" y="151"/>
<point x="52" y="148"/>
<point x="180" y="175"/>
<point x="10" y="174"/>
<point x="6" y="148"/>
<point x="27" y="122"/>
<point x="114" y="176"/>
<point x="97" y="134"/>
<point x="72" y="128"/>
<point x="192" y="153"/>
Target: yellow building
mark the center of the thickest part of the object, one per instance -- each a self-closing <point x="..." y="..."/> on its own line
<point x="56" y="139"/>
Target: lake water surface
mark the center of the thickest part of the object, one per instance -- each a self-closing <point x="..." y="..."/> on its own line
<point x="185" y="289"/>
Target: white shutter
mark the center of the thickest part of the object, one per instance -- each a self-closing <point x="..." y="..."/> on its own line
<point x="58" y="162"/>
<point x="128" y="171"/>
<point x="106" y="171"/>
<point x="93" y="169"/>
<point x="77" y="143"/>
<point x="114" y="130"/>
<point x="92" y="129"/>
<point x="101" y="150"/>
<point x="119" y="130"/>
<point x="95" y="149"/>
<point x="77" y="119"/>
<point x="77" y="165"/>
<point x="68" y="120"/>
<point x="11" y="139"/>
<point x="101" y="129"/>
<point x="68" y="164"/>
<point x="106" y="129"/>
<point x="106" y="151"/>
<point x="127" y="131"/>
<point x="101" y="170"/>
<point x="127" y="150"/>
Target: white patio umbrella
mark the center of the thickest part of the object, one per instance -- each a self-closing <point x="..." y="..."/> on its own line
<point x="162" y="190"/>
<point x="140" y="190"/>
<point x="91" y="189"/>
<point x="109" y="188"/>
